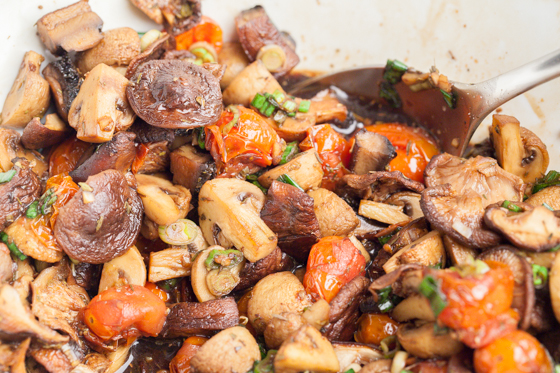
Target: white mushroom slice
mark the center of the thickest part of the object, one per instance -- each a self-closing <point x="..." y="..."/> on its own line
<point x="335" y="216"/>
<point x="349" y="353"/>
<point x="306" y="350"/>
<point x="428" y="250"/>
<point x="414" y="307"/>
<point x="254" y="79"/>
<point x="11" y="147"/>
<point x="169" y="263"/>
<point x="30" y="95"/>
<point x="101" y="107"/>
<point x="360" y="247"/>
<point x="118" y="357"/>
<point x="409" y="201"/>
<point x="129" y="267"/>
<point x="424" y="343"/>
<point x="305" y="169"/>
<point x="549" y="195"/>
<point x="229" y="211"/>
<point x="383" y="212"/>
<point x="458" y="254"/>
<point x="554" y="286"/>
<point x="318" y="314"/>
<point x="233" y="56"/>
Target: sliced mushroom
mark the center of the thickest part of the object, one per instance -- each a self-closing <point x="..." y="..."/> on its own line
<point x="154" y="51"/>
<point x="11" y="147"/>
<point x="428" y="250"/>
<point x="254" y="79"/>
<point x="74" y="28"/>
<point x="191" y="168"/>
<point x="383" y="212"/>
<point x="335" y="216"/>
<point x="554" y="287"/>
<point x="32" y="243"/>
<point x="318" y="314"/>
<point x="6" y="264"/>
<point x="518" y="150"/>
<point x="414" y="307"/>
<point x="101" y="108"/>
<point x="191" y="318"/>
<point x="535" y="229"/>
<point x="102" y="225"/>
<point x="12" y="358"/>
<point x="276" y="261"/>
<point x="458" y="254"/>
<point x="305" y="169"/>
<point x="349" y="353"/>
<point x="371" y="152"/>
<point x="409" y="201"/>
<point x="128" y="267"/>
<point x="261" y="40"/>
<point x="379" y="185"/>
<point x="38" y="136"/>
<point x="175" y="94"/>
<point x="164" y="203"/>
<point x="425" y="343"/>
<point x="65" y="83"/>
<point x="306" y="349"/>
<point x="549" y="195"/>
<point x="29" y="96"/>
<point x="169" y="263"/>
<point x="229" y="211"/>
<point x="233" y="56"/>
<point x="408" y="234"/>
<point x="118" y="47"/>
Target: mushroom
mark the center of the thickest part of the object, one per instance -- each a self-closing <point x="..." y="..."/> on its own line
<point x="164" y="202"/>
<point x="146" y="133"/>
<point x="262" y="41"/>
<point x="187" y="318"/>
<point x="305" y="169"/>
<point x="280" y="328"/>
<point x="458" y="192"/>
<point x="428" y="250"/>
<point x="65" y="83"/>
<point x="29" y="96"/>
<point x="155" y="51"/>
<point x="425" y="343"/>
<point x="191" y="168"/>
<point x="128" y="267"/>
<point x="534" y="229"/>
<point x="169" y="263"/>
<point x="254" y="79"/>
<point x="306" y="350"/>
<point x="549" y="195"/>
<point x="101" y="221"/>
<point x="6" y="264"/>
<point x="32" y="243"/>
<point x="118" y="47"/>
<point x="554" y="287"/>
<point x="414" y="307"/>
<point x="233" y="56"/>
<point x="12" y="359"/>
<point x="383" y="212"/>
<point x="101" y="108"/>
<point x="350" y="353"/>
<point x="458" y="254"/>
<point x="156" y="159"/>
<point x="318" y="314"/>
<point x="74" y="28"/>
<point x="229" y="213"/>
<point x="378" y="366"/>
<point x="251" y="273"/>
<point x="408" y="234"/>
<point x="409" y="201"/>
<point x="38" y="136"/>
<point x="276" y="293"/>
<point x="524" y="290"/>
<point x="11" y="147"/>
<point x="335" y="216"/>
<point x="175" y="94"/>
<point x="379" y="185"/>
<point x="518" y="150"/>
<point x="371" y="152"/>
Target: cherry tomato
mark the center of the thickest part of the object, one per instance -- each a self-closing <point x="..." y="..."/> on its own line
<point x="207" y="30"/>
<point x="126" y="311"/>
<point x="517" y="351"/>
<point x="373" y="328"/>
<point x="141" y="153"/>
<point x="154" y="288"/>
<point x="332" y="263"/>
<point x="65" y="156"/>
<point x="414" y="148"/>
<point x="333" y="149"/>
<point x="250" y="142"/>
<point x="181" y="363"/>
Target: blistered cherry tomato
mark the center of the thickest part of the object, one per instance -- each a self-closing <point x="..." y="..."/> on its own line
<point x="333" y="149"/>
<point x="154" y="288"/>
<point x="332" y="263"/>
<point x="515" y="352"/>
<point x="414" y="148"/>
<point x="141" y="154"/>
<point x="125" y="311"/>
<point x="373" y="328"/>
<point x="181" y="363"/>
<point x="206" y="30"/>
<point x="65" y="156"/>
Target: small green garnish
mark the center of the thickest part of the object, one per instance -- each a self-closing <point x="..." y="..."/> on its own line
<point x="7" y="176"/>
<point x="289" y="105"/>
<point x="232" y="123"/>
<point x="278" y="96"/>
<point x="201" y="138"/>
<point x="511" y="206"/>
<point x="548" y="206"/>
<point x="258" y="101"/>
<point x="304" y="106"/>
<point x="12" y="247"/>
<point x="550" y="179"/>
<point x="449" y="98"/>
<point x="266" y="364"/>
<point x="394" y="70"/>
<point x="429" y="288"/>
<point x="223" y="259"/>
<point x="540" y="275"/>
<point x="285" y="178"/>
<point x="292" y="149"/>
<point x="32" y="210"/>
<point x="389" y="93"/>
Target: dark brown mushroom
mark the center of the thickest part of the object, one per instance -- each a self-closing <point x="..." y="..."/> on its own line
<point x="371" y="152"/>
<point x="18" y="193"/>
<point x="193" y="318"/>
<point x="191" y="168"/>
<point x="378" y="186"/>
<point x="148" y="133"/>
<point x="536" y="228"/>
<point x="175" y="94"/>
<point x="524" y="290"/>
<point x="276" y="261"/>
<point x="182" y="54"/>
<point x="74" y="28"/>
<point x="155" y="51"/>
<point x="37" y="135"/>
<point x="87" y="275"/>
<point x="408" y="234"/>
<point x="262" y="40"/>
<point x="65" y="82"/>
<point x="180" y="15"/>
<point x="157" y="159"/>
<point x="101" y="221"/>
<point x="404" y="281"/>
<point x="290" y="214"/>
<point x="117" y="154"/>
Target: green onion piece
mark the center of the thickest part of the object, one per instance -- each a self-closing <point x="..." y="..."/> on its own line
<point x="201" y="138"/>
<point x="266" y="364"/>
<point x="7" y="176"/>
<point x="232" y="123"/>
<point x="394" y="70"/>
<point x="430" y="289"/>
<point x="223" y="259"/>
<point x="140" y="34"/>
<point x="288" y="180"/>
<point x="439" y="330"/>
<point x="47" y="200"/>
<point x="278" y="96"/>
<point x="289" y="105"/>
<point x="180" y="233"/>
<point x="292" y="114"/>
<point x="252" y="177"/>
<point x="406" y="371"/>
<point x="263" y="189"/>
<point x="265" y="107"/>
<point x="548" y="206"/>
<point x="449" y="98"/>
<point x="511" y="207"/>
<point x="203" y="55"/>
<point x="258" y="101"/>
<point x="304" y="106"/>
<point x="550" y="179"/>
<point x="388" y="92"/>
<point x="280" y="117"/>
<point x="12" y="247"/>
<point x="387" y="300"/>
<point x="32" y="210"/>
<point x="169" y="285"/>
<point x="557" y="368"/>
<point x="292" y="149"/>
<point x="525" y="197"/>
<point x="350" y="371"/>
<point x="555" y="248"/>
<point x="269" y="110"/>
<point x="262" y="350"/>
<point x="540" y="275"/>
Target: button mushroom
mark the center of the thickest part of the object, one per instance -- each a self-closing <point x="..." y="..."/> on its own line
<point x="351" y="354"/>
<point x="38" y="136"/>
<point x="518" y="150"/>
<point x="29" y="96"/>
<point x="413" y="307"/>
<point x="425" y="343"/>
<point x="101" y="221"/>
<point x="549" y="195"/>
<point x="428" y="250"/>
<point x="233" y="56"/>
<point x="229" y="213"/>
<point x="128" y="267"/>
<point x="11" y="147"/>
<point x="65" y="83"/>
<point x="101" y="107"/>
<point x="335" y="216"/>
<point x="371" y="152"/>
<point x="175" y="94"/>
<point x="305" y="169"/>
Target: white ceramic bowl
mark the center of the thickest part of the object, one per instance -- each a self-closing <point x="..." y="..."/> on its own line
<point x="468" y="40"/>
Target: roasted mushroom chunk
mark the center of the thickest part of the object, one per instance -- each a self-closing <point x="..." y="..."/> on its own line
<point x="146" y="133"/>
<point x="262" y="41"/>
<point x="425" y="343"/>
<point x="378" y="186"/>
<point x="549" y="195"/>
<point x="305" y="169"/>
<point x="383" y="212"/>
<point x="101" y="221"/>
<point x="37" y="135"/>
<point x="74" y="28"/>
<point x="65" y="83"/>
<point x="458" y="192"/>
<point x="191" y="168"/>
<point x="101" y="108"/>
<point x="458" y="254"/>
<point x="128" y="268"/>
<point x="350" y="354"/>
<point x="29" y="96"/>
<point x="254" y="79"/>
<point x="6" y="264"/>
<point x="428" y="250"/>
<point x="156" y="159"/>
<point x="371" y="152"/>
<point x="276" y="261"/>
<point x="554" y="286"/>
<point x="408" y="234"/>
<point x="31" y="243"/>
<point x="233" y="56"/>
<point x="155" y="51"/>
<point x="11" y="147"/>
<point x="335" y="216"/>
<point x="535" y="228"/>
<point x="518" y="150"/>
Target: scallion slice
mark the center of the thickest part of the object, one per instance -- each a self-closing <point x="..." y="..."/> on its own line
<point x="32" y="210"/>
<point x="285" y="178"/>
<point x="269" y="110"/>
<point x="550" y="179"/>
<point x="232" y="123"/>
<point x="180" y="233"/>
<point x="388" y="92"/>
<point x="394" y="70"/>
<point x="223" y="259"/>
<point x="290" y="152"/>
<point x="12" y="247"/>
<point x="449" y="98"/>
<point x="266" y="364"/>
<point x="540" y="275"/>
<point x="278" y="96"/>
<point x="258" y="101"/>
<point x="289" y="105"/>
<point x="511" y="206"/>
<point x="304" y="106"/>
<point x="548" y="206"/>
<point x="430" y="289"/>
<point x="7" y="176"/>
<point x="201" y="138"/>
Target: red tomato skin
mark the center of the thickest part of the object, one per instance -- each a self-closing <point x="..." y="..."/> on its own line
<point x="181" y="363"/>
<point x="206" y="30"/>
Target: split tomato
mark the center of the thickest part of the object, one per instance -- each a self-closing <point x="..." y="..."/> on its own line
<point x="373" y="328"/>
<point x="206" y="30"/>
<point x="65" y="156"/>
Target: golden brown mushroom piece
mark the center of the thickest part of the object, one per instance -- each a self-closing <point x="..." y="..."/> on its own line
<point x="305" y="169"/>
<point x="65" y="82"/>
<point x="371" y="152"/>
<point x="554" y="286"/>
<point x="518" y="150"/>
<point x="424" y="343"/>
<point x="549" y="195"/>
<point x="29" y="96"/>
<point x="335" y="216"/>
<point x="428" y="250"/>
<point x="11" y="147"/>
<point x="37" y="135"/>
<point x="233" y="56"/>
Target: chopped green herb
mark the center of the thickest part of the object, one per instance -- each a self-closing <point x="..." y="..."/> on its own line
<point x="386" y="345"/>
<point x="223" y="259"/>
<point x="555" y="248"/>
<point x="291" y="114"/>
<point x="280" y="117"/>
<point x="266" y="364"/>
<point x="429" y="288"/>
<point x="387" y="300"/>
<point x="394" y="70"/>
<point x="288" y="180"/>
<point x="540" y="275"/>
<point x="548" y="206"/>
<point x="557" y="368"/>
<point x="47" y="200"/>
<point x="201" y="138"/>
<point x="258" y="101"/>
<point x="265" y="107"/>
<point x="6" y="176"/>
<point x="384" y="239"/>
<point x="252" y="177"/>
<point x="304" y="106"/>
<point x="289" y="105"/>
<point x="12" y="247"/>
<point x="269" y="110"/>
<point x="350" y="371"/>
<point x="550" y="179"/>
<point x="169" y="285"/>
<point x="389" y="93"/>
<point x="262" y="350"/>
<point x="449" y="98"/>
<point x="232" y="123"/>
<point x="32" y="210"/>
<point x="292" y="149"/>
<point x="263" y="189"/>
<point x="278" y="96"/>
<point x="511" y="206"/>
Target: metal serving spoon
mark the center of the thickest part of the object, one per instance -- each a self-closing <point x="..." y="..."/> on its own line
<point x="452" y="127"/>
